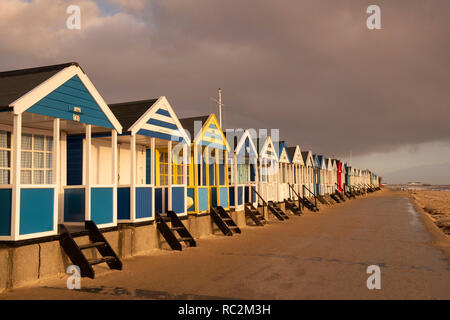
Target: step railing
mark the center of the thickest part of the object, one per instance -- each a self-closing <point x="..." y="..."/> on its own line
<point x="300" y="203"/>
<point x="264" y="203"/>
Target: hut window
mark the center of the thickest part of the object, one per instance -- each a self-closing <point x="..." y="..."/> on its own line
<point x="230" y="174"/>
<point x="177" y="171"/>
<point x="163" y="169"/>
<point x="5" y="157"/>
<point x="36" y="159"/>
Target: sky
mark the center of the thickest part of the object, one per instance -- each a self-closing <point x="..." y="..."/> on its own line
<point x="377" y="98"/>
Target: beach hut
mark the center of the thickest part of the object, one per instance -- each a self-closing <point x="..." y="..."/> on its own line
<point x="340" y="176"/>
<point x="347" y="171"/>
<point x="284" y="176"/>
<point x="328" y="175"/>
<point x="268" y="169"/>
<point x="58" y="152"/>
<point x="333" y="176"/>
<point x="207" y="176"/>
<point x="298" y="170"/>
<point x="152" y="175"/>
<point x="319" y="173"/>
<point x="243" y="173"/>
<point x="308" y="175"/>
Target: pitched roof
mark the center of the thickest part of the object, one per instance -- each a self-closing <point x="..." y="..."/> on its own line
<point x="305" y="156"/>
<point x="291" y="152"/>
<point x="129" y="112"/>
<point x="16" y="83"/>
<point x="188" y="124"/>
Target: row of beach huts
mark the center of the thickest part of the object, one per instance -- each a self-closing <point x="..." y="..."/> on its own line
<point x="73" y="167"/>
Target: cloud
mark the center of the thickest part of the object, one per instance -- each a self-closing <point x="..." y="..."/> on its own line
<point x="310" y="68"/>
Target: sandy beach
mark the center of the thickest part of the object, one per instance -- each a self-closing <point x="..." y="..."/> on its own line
<point x="436" y="204"/>
<point x="323" y="255"/>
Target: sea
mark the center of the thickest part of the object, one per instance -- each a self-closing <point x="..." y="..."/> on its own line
<point x="433" y="187"/>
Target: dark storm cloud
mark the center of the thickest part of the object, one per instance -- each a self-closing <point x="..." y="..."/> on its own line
<point x="310" y="68"/>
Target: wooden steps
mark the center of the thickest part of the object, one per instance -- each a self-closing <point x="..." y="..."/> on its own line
<point x="276" y="211"/>
<point x="223" y="220"/>
<point x="76" y="254"/>
<point x="293" y="207"/>
<point x="252" y="213"/>
<point x="176" y="233"/>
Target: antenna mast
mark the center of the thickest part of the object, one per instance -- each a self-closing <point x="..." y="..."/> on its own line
<point x="219" y="105"/>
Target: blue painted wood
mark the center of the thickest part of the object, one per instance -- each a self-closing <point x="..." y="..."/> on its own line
<point x="73" y="93"/>
<point x="246" y="194"/>
<point x="212" y="135"/>
<point x="74" y="205"/>
<point x="224" y="196"/>
<point x="159" y="135"/>
<point x="191" y="194"/>
<point x="74" y="160"/>
<point x="123" y="203"/>
<point x="232" y="196"/>
<point x="178" y="200"/>
<point x="203" y="199"/>
<point x="240" y="192"/>
<point x="102" y="205"/>
<point x="158" y="200"/>
<point x="214" y="197"/>
<point x="252" y="172"/>
<point x="162" y="124"/>
<point x="163" y="112"/>
<point x="5" y="212"/>
<point x="212" y="145"/>
<point x="144" y="202"/>
<point x="221" y="174"/>
<point x="166" y="199"/>
<point x="148" y="166"/>
<point x="36" y="210"/>
<point x="200" y="182"/>
<point x="204" y="182"/>
<point x="212" y="174"/>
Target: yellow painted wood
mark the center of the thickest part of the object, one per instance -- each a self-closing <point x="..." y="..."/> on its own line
<point x="157" y="181"/>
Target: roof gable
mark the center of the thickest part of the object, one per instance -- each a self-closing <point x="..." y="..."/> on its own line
<point x="295" y="154"/>
<point x="283" y="154"/>
<point x="211" y="135"/>
<point x="334" y="164"/>
<point x="65" y="101"/>
<point x="128" y="113"/>
<point x="245" y="144"/>
<point x="307" y="158"/>
<point x="268" y="150"/>
<point x="158" y="121"/>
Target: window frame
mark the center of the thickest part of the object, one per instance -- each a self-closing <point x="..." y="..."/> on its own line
<point x="45" y="151"/>
<point x="8" y="152"/>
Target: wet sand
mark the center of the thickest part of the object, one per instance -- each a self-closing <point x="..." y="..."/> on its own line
<point x="436" y="204"/>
